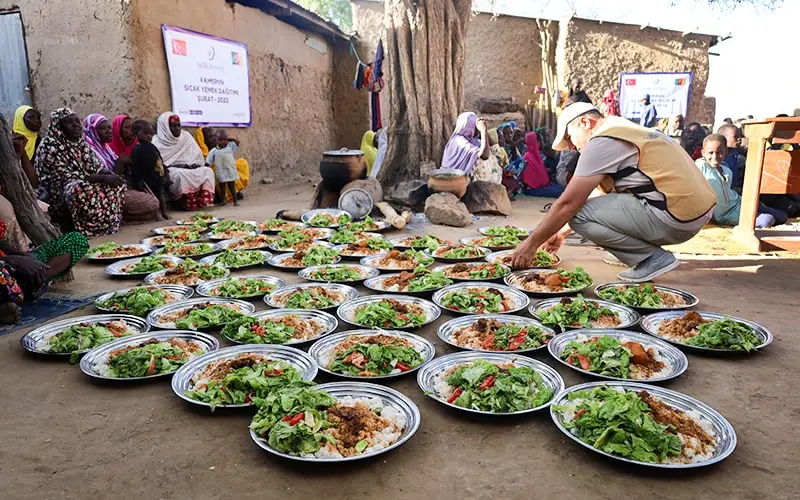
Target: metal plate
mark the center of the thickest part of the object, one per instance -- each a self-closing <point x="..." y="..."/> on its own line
<point x="217" y="237"/>
<point x="91" y="362"/>
<point x="347" y="312"/>
<point x="652" y="322"/>
<point x="178" y="292"/>
<point x="170" y="230"/>
<point x="372" y="260"/>
<point x="214" y="249"/>
<point x="362" y="236"/>
<point x="211" y="260"/>
<point x="449" y="329"/>
<point x="186" y="222"/>
<point x="335" y="212"/>
<point x="376" y="284"/>
<point x="233" y="241"/>
<point x="519" y="300"/>
<point x="348" y="291"/>
<point x="162" y="239"/>
<point x="445" y="268"/>
<point x="426" y="377"/>
<point x="274" y="246"/>
<point x="292" y="223"/>
<point x="380" y="225"/>
<point x="497" y="256"/>
<point x="207" y="289"/>
<point x="628" y="316"/>
<point x="277" y="261"/>
<point x="357" y="201"/>
<point x="341" y="248"/>
<point x="473" y="240"/>
<point x="726" y="436"/>
<point x="690" y="299"/>
<point x="485" y="230"/>
<point x="182" y="380"/>
<point x="366" y="272"/>
<point x="154" y="318"/>
<point x="338" y="390"/>
<point x="322" y="350"/>
<point x="151" y="278"/>
<point x="484" y="253"/>
<point x="30" y="339"/>
<point x="144" y="249"/>
<point x="115" y="269"/>
<point x="677" y="360"/>
<point x="327" y="320"/>
<point x="514" y="280"/>
<point x="402" y="242"/>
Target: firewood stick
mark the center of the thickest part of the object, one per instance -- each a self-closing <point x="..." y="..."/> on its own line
<point x="399" y="222"/>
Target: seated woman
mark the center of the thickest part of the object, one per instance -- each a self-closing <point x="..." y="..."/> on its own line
<point x="98" y="135"/>
<point x="81" y="193"/>
<point x="147" y="172"/>
<point x="463" y="148"/>
<point x="206" y="139"/>
<point x="535" y="178"/>
<point x="122" y="137"/>
<point x="191" y="183"/>
<point x="27" y="124"/>
<point x="369" y="145"/>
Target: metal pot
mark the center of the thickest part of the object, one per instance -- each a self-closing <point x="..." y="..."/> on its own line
<point x="339" y="167"/>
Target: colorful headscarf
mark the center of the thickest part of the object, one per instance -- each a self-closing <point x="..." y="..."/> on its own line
<point x="22" y="129"/>
<point x="176" y="150"/>
<point x="463" y="149"/>
<point x="369" y="149"/>
<point x="107" y="157"/>
<point x="118" y="146"/>
<point x="534" y="175"/>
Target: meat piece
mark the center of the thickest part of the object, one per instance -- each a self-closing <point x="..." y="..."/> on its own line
<point x="398" y="306"/>
<point x="482" y="326"/>
<point x="638" y="355"/>
<point x="460" y="268"/>
<point x="679" y="421"/>
<point x="495" y="291"/>
<point x="566" y="301"/>
<point x="554" y="280"/>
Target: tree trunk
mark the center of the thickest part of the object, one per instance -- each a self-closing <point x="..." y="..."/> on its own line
<point x="425" y="53"/>
<point x="546" y="40"/>
<point x="17" y="189"/>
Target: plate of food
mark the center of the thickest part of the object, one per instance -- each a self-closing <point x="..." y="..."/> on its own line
<point x="371" y="354"/>
<point x="311" y="296"/>
<point x="496" y="333"/>
<point x="240" y="287"/>
<point x="490" y="383"/>
<point x="420" y="281"/>
<point x="73" y="337"/>
<point x="474" y="271"/>
<point x="480" y="298"/>
<point x="367" y="224"/>
<point x="257" y="242"/>
<point x="652" y="426"/>
<point x="326" y="217"/>
<point x="707" y="332"/>
<point x="291" y="240"/>
<point x="203" y="217"/>
<point x="364" y="248"/>
<point x="255" y="370"/>
<point x="550" y="282"/>
<point x="112" y="251"/>
<point x="141" y="300"/>
<point x="493" y="243"/>
<point x="316" y="255"/>
<point x="392" y="312"/>
<point x="183" y="250"/>
<point x="460" y="253"/>
<point x="281" y="326"/>
<point x="228" y="229"/>
<point x="278" y="225"/>
<point x="334" y="422"/>
<point x="618" y="355"/>
<point x="338" y="273"/>
<point x="517" y="232"/>
<point x="148" y="356"/>
<point x="187" y="273"/>
<point x="141" y="266"/>
<point x="187" y="236"/>
<point x="646" y="296"/>
<point x="169" y="230"/>
<point x="202" y="313"/>
<point x="541" y="259"/>
<point x="568" y="313"/>
<point x="238" y="259"/>
<point x="398" y="260"/>
<point x="345" y="236"/>
<point x="427" y="242"/>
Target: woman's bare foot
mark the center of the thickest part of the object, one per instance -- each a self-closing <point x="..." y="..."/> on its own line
<point x="10" y="314"/>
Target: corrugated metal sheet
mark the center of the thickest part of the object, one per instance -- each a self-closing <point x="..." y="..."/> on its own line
<point x="14" y="75"/>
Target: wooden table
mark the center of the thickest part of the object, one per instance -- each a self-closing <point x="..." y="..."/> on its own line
<point x="768" y="172"/>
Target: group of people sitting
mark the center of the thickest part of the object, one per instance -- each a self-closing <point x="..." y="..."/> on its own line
<point x="91" y="175"/>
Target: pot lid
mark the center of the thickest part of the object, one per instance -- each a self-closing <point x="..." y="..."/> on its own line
<point x="358" y="202"/>
<point x="344" y="152"/>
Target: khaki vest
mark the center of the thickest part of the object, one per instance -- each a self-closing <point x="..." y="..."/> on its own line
<point x="677" y="186"/>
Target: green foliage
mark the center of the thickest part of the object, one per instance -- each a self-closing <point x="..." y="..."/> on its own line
<point x="335" y="11"/>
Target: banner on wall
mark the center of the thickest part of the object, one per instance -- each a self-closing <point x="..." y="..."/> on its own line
<point x="669" y="92"/>
<point x="209" y="78"/>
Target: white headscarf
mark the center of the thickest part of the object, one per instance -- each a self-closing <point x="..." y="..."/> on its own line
<point x="383" y="144"/>
<point x="176" y="150"/>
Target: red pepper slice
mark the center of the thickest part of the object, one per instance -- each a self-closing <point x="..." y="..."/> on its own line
<point x="297" y="418"/>
<point x="402" y="366"/>
<point x="455" y="395"/>
<point x="489" y="342"/>
<point x="487" y="384"/>
<point x="579" y="413"/>
<point x="584" y="361"/>
<point x="286" y="418"/>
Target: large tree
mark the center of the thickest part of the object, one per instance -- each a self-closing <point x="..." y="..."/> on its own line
<point x="425" y="53"/>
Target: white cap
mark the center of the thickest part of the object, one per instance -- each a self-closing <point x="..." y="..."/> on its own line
<point x="567" y="115"/>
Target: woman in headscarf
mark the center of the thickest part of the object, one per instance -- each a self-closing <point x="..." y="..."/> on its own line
<point x="191" y="183"/>
<point x="535" y="178"/>
<point x="205" y="138"/>
<point x="81" y="193"/>
<point x="123" y="139"/>
<point x="463" y="149"/>
<point x="610" y="105"/>
<point x="28" y="123"/>
<point x="369" y="147"/>
<point x="99" y="136"/>
<point x="490" y="169"/>
<point x="497" y="147"/>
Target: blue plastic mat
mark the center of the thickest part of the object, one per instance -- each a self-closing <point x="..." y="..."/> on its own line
<point x="45" y="308"/>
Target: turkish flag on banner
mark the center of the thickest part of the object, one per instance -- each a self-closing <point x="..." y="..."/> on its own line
<point x="179" y="47"/>
<point x="630" y="82"/>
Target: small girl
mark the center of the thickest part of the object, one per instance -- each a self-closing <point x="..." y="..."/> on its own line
<point x="147" y="169"/>
<point x="223" y="157"/>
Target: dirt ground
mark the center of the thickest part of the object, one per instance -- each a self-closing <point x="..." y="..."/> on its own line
<point x="64" y="436"/>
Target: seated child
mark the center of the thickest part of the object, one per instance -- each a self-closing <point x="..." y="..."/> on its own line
<point x="147" y="168"/>
<point x="223" y="156"/>
<point x="719" y="177"/>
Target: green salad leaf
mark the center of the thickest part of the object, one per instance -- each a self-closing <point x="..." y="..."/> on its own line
<point x="233" y="225"/>
<point x="725" y="334"/>
<point x="208" y="316"/>
<point x="602" y="354"/>
<point x="375" y="243"/>
<point x="507" y="231"/>
<point x="460" y="252"/>
<point x="274" y="223"/>
<point x="377" y="356"/>
<point x="574" y="312"/>
<point x="504" y="240"/>
<point x="234" y="288"/>
<point x="327" y="220"/>
<point x="636" y="295"/>
<point x="428" y="242"/>
<point x="544" y="258"/>
<point x="476" y="300"/>
<point x="343" y="235"/>
<point x="577" y="279"/>
<point x="309" y="299"/>
<point x="201" y="217"/>
<point x="148" y="265"/>
<point x="423" y="279"/>
<point x="419" y="257"/>
<point x="511" y="337"/>
<point x="84" y="336"/>
<point x="365" y="225"/>
<point x="387" y="313"/>
<point x="292" y="236"/>
<point x="185" y="249"/>
<point x="250" y="330"/>
<point x="318" y="255"/>
<point x="106" y="249"/>
<point x="294" y="418"/>
<point x="239" y="258"/>
<point x="340" y="273"/>
<point x="149" y="358"/>
<point x="138" y="301"/>
<point x="484" y="386"/>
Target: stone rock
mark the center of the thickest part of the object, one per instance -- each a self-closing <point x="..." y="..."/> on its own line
<point x="446" y="209"/>
<point x="410" y="193"/>
<point x="498" y="106"/>
<point x="267" y="180"/>
<point x="487" y="198"/>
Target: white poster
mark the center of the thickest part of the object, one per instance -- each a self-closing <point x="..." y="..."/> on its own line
<point x="669" y="92"/>
<point x="209" y="78"/>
